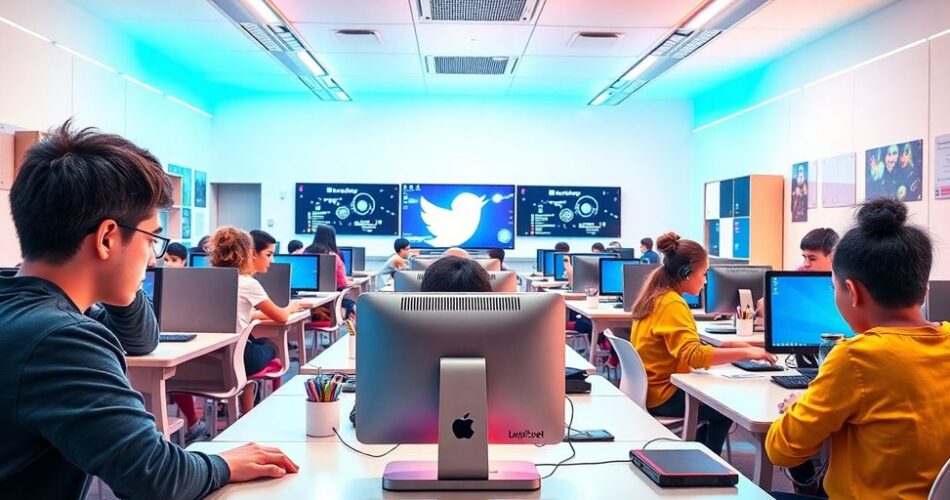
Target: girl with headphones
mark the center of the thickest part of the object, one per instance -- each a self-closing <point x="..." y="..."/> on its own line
<point x="665" y="336"/>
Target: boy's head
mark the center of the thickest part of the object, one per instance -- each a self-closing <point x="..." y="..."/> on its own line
<point x="176" y="255"/>
<point x="497" y="253"/>
<point x="562" y="246"/>
<point x="88" y="200"/>
<point x="646" y="245"/>
<point x="401" y="246"/>
<point x="614" y="244"/>
<point x="597" y="248"/>
<point x="295" y="247"/>
<point x="817" y="246"/>
<point x="455" y="274"/>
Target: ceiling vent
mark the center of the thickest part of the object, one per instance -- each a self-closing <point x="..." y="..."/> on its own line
<point x="593" y="40"/>
<point x="466" y="65"/>
<point x="478" y="10"/>
<point x="358" y="38"/>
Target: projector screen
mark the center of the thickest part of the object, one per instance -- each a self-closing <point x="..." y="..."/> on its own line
<point x="443" y="215"/>
<point x="352" y="209"/>
<point x="569" y="211"/>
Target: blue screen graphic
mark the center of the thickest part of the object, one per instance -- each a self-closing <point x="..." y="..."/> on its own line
<point x="199" y="260"/>
<point x="347" y="255"/>
<point x="475" y="216"/>
<point x="611" y="275"/>
<point x="304" y="271"/>
<point x="802" y="308"/>
<point x="149" y="284"/>
<point x="692" y="300"/>
<point x="549" y="262"/>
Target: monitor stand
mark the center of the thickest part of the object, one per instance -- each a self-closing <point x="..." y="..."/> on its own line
<point x="463" y="441"/>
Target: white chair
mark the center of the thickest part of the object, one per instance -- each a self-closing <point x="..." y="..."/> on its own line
<point x="216" y="376"/>
<point x="941" y="487"/>
<point x="332" y="331"/>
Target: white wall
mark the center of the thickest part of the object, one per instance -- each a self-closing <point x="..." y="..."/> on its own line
<point x="642" y="147"/>
<point x="43" y="85"/>
<point x="898" y="98"/>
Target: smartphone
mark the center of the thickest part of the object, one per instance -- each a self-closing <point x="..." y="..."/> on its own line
<point x="589" y="435"/>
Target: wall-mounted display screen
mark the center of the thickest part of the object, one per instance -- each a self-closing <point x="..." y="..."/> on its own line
<point x="353" y="209"/>
<point x="466" y="215"/>
<point x="569" y="211"/>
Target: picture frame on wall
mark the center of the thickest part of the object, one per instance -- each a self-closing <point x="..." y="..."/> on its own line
<point x="941" y="162"/>
<point x="201" y="189"/>
<point x="186" y="180"/>
<point x="800" y="192"/>
<point x="185" y="223"/>
<point x="895" y="171"/>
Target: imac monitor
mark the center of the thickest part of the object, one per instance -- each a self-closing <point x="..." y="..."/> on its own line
<point x="938" y="301"/>
<point x="799" y="307"/>
<point x="634" y="276"/>
<point x="198" y="300"/>
<point x="276" y="282"/>
<point x="304" y="271"/>
<point x="455" y="357"/>
<point x="490" y="264"/>
<point x="723" y="284"/>
<point x="356" y="209"/>
<point x="471" y="216"/>
<point x="611" y="275"/>
<point x="549" y="263"/>
<point x="587" y="270"/>
<point x="199" y="260"/>
<point x="152" y="286"/>
<point x="411" y="281"/>
<point x="560" y="273"/>
<point x="503" y="281"/>
<point x="421" y="263"/>
<point x="346" y="253"/>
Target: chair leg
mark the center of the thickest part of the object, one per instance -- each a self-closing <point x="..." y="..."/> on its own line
<point x="233" y="410"/>
<point x="728" y="448"/>
<point x="214" y="417"/>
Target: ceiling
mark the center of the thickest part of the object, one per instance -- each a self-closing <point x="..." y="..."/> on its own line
<point x="195" y="35"/>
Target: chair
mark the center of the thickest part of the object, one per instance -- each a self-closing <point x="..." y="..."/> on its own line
<point x="332" y="328"/>
<point x="216" y="376"/>
<point x="941" y="487"/>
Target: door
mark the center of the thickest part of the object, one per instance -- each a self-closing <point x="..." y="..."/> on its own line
<point x="238" y="205"/>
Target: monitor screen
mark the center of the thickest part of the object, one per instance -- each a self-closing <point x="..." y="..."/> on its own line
<point x="799" y="308"/>
<point x="569" y="211"/>
<point x="611" y="275"/>
<point x="442" y="215"/>
<point x="560" y="273"/>
<point x="539" y="261"/>
<point x="347" y="255"/>
<point x="148" y="285"/>
<point x="548" y="263"/>
<point x="367" y="209"/>
<point x="694" y="301"/>
<point x="724" y="282"/>
<point x="199" y="260"/>
<point x="304" y="271"/>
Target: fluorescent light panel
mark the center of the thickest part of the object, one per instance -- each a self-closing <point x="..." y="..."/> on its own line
<point x="25" y="30"/>
<point x="263" y="10"/>
<point x="639" y="68"/>
<point x="311" y="63"/>
<point x="708" y="12"/>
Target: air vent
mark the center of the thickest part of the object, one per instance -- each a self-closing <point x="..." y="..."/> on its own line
<point x="478" y="10"/>
<point x="358" y="38"/>
<point x="464" y="65"/>
<point x="258" y="33"/>
<point x="593" y="40"/>
<point x="671" y="43"/>
<point x="694" y="43"/>
<point x="460" y="303"/>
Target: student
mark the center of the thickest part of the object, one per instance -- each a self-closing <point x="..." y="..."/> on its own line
<point x="614" y="244"/>
<point x="232" y="247"/>
<point x="202" y="245"/>
<point x="562" y="247"/>
<point x="456" y="252"/>
<point x="455" y="274"/>
<point x="396" y="262"/>
<point x="295" y="247"/>
<point x="324" y="243"/>
<point x="597" y="248"/>
<point x="176" y="255"/>
<point x="881" y="396"/>
<point x="817" y="246"/>
<point x="499" y="254"/>
<point x="664" y="334"/>
<point x="69" y="410"/>
<point x="648" y="256"/>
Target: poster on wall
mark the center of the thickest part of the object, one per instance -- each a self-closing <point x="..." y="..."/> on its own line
<point x="185" y="223"/>
<point x="185" y="174"/>
<point x="895" y="170"/>
<point x="838" y="181"/>
<point x="799" y="198"/>
<point x="942" y="167"/>
<point x="201" y="189"/>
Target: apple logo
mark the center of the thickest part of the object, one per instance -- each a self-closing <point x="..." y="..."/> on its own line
<point x="462" y="428"/>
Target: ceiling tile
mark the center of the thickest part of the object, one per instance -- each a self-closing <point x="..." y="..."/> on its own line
<point x="553" y="41"/>
<point x="634" y="13"/>
<point x="583" y="90"/>
<point x="577" y="68"/>
<point x="165" y="10"/>
<point x="373" y="65"/>
<point x="467" y="85"/>
<point x="358" y="86"/>
<point x="346" y="11"/>
<point x="395" y="38"/>
<point x="261" y="83"/>
<point x="472" y="39"/>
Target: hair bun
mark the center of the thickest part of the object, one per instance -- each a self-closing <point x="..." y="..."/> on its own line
<point x="882" y="216"/>
<point x="668" y="243"/>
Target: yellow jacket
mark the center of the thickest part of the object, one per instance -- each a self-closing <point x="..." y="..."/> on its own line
<point x="668" y="343"/>
<point x="884" y="399"/>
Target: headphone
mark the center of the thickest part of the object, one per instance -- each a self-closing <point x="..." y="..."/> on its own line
<point x="682" y="272"/>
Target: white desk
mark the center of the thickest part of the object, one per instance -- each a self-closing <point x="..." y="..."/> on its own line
<point x="278" y="333"/>
<point x="752" y="403"/>
<point x="716" y="339"/>
<point x="602" y="317"/>
<point x="149" y="373"/>
<point x="336" y="359"/>
<point x="365" y="283"/>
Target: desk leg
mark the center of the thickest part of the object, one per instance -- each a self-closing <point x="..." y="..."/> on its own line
<point x="763" y="467"/>
<point x="151" y="383"/>
<point x="691" y="419"/>
<point x="595" y="330"/>
<point x="302" y="344"/>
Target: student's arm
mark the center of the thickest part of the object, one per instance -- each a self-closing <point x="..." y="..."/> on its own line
<point x="830" y="400"/>
<point x="134" y="325"/>
<point x="678" y="331"/>
<point x="275" y="313"/>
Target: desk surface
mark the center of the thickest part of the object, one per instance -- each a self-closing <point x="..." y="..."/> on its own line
<point x="169" y="354"/>
<point x="316" y="301"/>
<point x="716" y="339"/>
<point x="750" y="402"/>
<point x="336" y="359"/>
<point x="602" y="311"/>
<point x="330" y="471"/>
<point x="293" y="318"/>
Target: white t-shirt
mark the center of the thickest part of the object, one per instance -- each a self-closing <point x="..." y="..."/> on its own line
<point x="250" y="294"/>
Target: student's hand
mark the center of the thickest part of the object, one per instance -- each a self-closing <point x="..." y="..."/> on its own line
<point x="787" y="403"/>
<point x="253" y="461"/>
<point x="295" y="307"/>
<point x="729" y="344"/>
<point x="757" y="353"/>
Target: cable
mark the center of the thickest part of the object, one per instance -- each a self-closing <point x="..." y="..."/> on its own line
<point x="570" y="423"/>
<point x="362" y="452"/>
<point x="572" y="464"/>
<point x="648" y="443"/>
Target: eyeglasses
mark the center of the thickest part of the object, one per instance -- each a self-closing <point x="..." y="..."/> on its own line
<point x="159" y="243"/>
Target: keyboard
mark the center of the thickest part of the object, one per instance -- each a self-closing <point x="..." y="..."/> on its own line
<point x="176" y="337"/>
<point x="792" y="381"/>
<point x="758" y="366"/>
<point x="720" y="329"/>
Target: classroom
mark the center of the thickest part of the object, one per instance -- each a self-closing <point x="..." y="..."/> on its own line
<point x="558" y="249"/>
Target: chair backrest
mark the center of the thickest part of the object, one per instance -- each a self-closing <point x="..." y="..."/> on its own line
<point x="633" y="379"/>
<point x="339" y="316"/>
<point x="236" y="377"/>
<point x="941" y="487"/>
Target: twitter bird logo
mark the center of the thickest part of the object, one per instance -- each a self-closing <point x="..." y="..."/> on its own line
<point x="453" y="227"/>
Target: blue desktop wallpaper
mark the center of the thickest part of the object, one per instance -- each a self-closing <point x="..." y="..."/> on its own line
<point x="304" y="270"/>
<point x="442" y="215"/>
<point x="803" y="307"/>
<point x="611" y="276"/>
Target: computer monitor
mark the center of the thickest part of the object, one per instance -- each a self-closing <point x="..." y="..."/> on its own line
<point x="8" y="272"/>
<point x="407" y="281"/>
<point x="199" y="260"/>
<point x="938" y="301"/>
<point x="723" y="284"/>
<point x="799" y="307"/>
<point x="723" y="261"/>
<point x="276" y="282"/>
<point x="422" y="263"/>
<point x="549" y="263"/>
<point x="634" y="277"/>
<point x="455" y="357"/>
<point x="152" y="286"/>
<point x="503" y="281"/>
<point x="198" y="300"/>
<point x="304" y="271"/>
<point x="346" y="253"/>
<point x="587" y="270"/>
<point x="359" y="258"/>
<point x="489" y="264"/>
<point x="624" y="253"/>
<point x="694" y="301"/>
<point x="611" y="276"/>
<point x="560" y="273"/>
<point x="539" y="261"/>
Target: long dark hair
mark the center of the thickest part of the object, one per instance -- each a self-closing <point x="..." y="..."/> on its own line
<point x="680" y="258"/>
<point x="324" y="241"/>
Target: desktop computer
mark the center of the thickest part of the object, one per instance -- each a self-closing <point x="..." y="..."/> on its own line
<point x="354" y="258"/>
<point x="199" y="260"/>
<point x="549" y="258"/>
<point x="560" y="272"/>
<point x="539" y="261"/>
<point x="725" y="284"/>
<point x="152" y="285"/>
<point x="346" y="253"/>
<point x="276" y="282"/>
<point x="624" y="253"/>
<point x="634" y="277"/>
<point x="463" y="371"/>
<point x="611" y="276"/>
<point x="411" y="281"/>
<point x="196" y="300"/>
<point x="587" y="270"/>
<point x="423" y="263"/>
<point x="938" y="301"/>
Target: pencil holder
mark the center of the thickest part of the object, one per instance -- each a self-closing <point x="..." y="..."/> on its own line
<point x="744" y="327"/>
<point x="593" y="301"/>
<point x="322" y="418"/>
